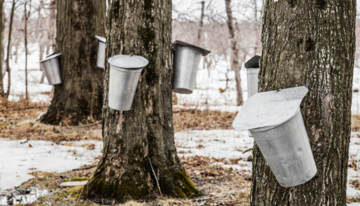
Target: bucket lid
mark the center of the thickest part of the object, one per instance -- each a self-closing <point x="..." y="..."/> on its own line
<point x="100" y="38"/>
<point x="269" y="109"/>
<point x="128" y="61"/>
<point x="51" y="56"/>
<point x="181" y="43"/>
<point x="253" y="63"/>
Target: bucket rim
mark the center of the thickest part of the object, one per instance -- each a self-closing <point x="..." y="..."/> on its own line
<point x="100" y="38"/>
<point x="266" y="128"/>
<point x="127" y="62"/>
<point x="125" y="69"/>
<point x="182" y="90"/>
<point x="51" y="56"/>
<point x="268" y="109"/>
<point x="253" y="63"/>
<point x="204" y="52"/>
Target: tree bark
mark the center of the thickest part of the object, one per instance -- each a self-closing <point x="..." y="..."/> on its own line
<point x="80" y="96"/>
<point x="1" y="49"/>
<point x="256" y="27"/>
<point x="26" y="18"/>
<point x="8" y="70"/>
<point x="310" y="44"/>
<point x="235" y="65"/>
<point x="139" y="156"/>
<point x="201" y="24"/>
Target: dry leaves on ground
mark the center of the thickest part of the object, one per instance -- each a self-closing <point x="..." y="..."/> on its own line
<point x="220" y="186"/>
<point x="18" y="120"/>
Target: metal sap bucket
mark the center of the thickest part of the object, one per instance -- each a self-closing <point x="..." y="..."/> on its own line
<point x="186" y="63"/>
<point x="252" y="71"/>
<point x="100" y="59"/>
<point x="125" y="71"/>
<point x="275" y="121"/>
<point x="51" y="65"/>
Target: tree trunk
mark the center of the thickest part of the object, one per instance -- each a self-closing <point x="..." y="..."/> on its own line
<point x="26" y="18"/>
<point x="310" y="44"/>
<point x="201" y="24"/>
<point x="235" y="65"/>
<point x="80" y="96"/>
<point x="1" y="49"/>
<point x="139" y="156"/>
<point x="256" y="27"/>
<point x="8" y="70"/>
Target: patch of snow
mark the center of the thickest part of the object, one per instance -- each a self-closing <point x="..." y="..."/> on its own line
<point x="73" y="184"/>
<point x="37" y="90"/>
<point x="14" y="198"/>
<point x="230" y="144"/>
<point x="211" y="108"/>
<point x="213" y="91"/>
<point x="227" y="144"/>
<point x="17" y="160"/>
<point x="354" y="156"/>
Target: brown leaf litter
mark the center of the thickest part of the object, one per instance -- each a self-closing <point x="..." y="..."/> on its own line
<point x="18" y="120"/>
<point x="220" y="186"/>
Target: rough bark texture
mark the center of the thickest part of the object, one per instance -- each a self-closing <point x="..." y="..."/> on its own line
<point x="80" y="96"/>
<point x="1" y="49"/>
<point x="310" y="43"/>
<point x="26" y="18"/>
<point x="235" y="64"/>
<point x="139" y="156"/>
<point x="201" y="24"/>
<point x="256" y="27"/>
<point x="8" y="70"/>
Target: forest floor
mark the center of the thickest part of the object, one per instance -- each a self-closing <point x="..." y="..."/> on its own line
<point x="18" y="120"/>
<point x="221" y="185"/>
<point x="223" y="181"/>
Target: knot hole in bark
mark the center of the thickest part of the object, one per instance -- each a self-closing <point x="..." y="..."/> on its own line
<point x="299" y="42"/>
<point x="291" y="3"/>
<point x="309" y="45"/>
<point x="320" y="4"/>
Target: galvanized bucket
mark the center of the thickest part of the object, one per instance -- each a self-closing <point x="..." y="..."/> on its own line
<point x="125" y="71"/>
<point x="252" y="81"/>
<point x="275" y="121"/>
<point x="252" y="72"/>
<point x="51" y="65"/>
<point x="186" y="63"/>
<point x="100" y="60"/>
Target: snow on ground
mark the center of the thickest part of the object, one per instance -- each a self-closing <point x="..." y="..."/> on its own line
<point x="37" y="90"/>
<point x="208" y="96"/>
<point x="231" y="144"/>
<point x="227" y="144"/>
<point x="209" y="82"/>
<point x="354" y="155"/>
<point x="23" y="199"/>
<point x="17" y="159"/>
<point x="209" y="92"/>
